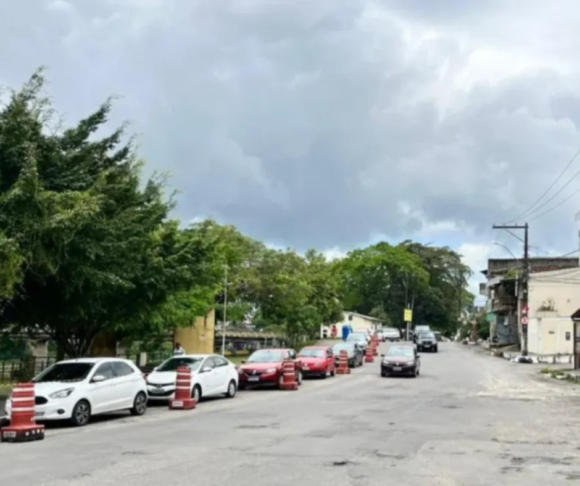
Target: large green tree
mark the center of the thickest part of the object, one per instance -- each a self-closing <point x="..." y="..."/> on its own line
<point x="96" y="250"/>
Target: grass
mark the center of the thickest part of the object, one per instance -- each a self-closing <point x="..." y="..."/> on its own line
<point x="5" y="388"/>
<point x="560" y="374"/>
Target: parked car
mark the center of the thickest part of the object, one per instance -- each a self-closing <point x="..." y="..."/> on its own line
<point x="426" y="340"/>
<point x="76" y="390"/>
<point x="354" y="352"/>
<point x="438" y="336"/>
<point x="264" y="367"/>
<point x="391" y="334"/>
<point x="211" y="375"/>
<point x="401" y="360"/>
<point x="419" y="329"/>
<point x="359" y="338"/>
<point x="317" y="361"/>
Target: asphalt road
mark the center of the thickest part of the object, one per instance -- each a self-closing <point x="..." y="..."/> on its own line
<point x="469" y="419"/>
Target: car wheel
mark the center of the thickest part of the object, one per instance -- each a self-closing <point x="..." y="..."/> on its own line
<point x="326" y="374"/>
<point x="232" y="389"/>
<point x="81" y="414"/>
<point x="415" y="373"/>
<point x="333" y="372"/>
<point x="281" y="381"/>
<point x="352" y="363"/>
<point x="139" y="405"/>
<point x="384" y="374"/>
<point x="436" y="350"/>
<point x="196" y="393"/>
<point x="299" y="379"/>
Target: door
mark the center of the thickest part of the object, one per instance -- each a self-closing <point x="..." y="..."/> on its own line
<point x="127" y="384"/>
<point x="222" y="372"/>
<point x="208" y="378"/>
<point x="102" y="394"/>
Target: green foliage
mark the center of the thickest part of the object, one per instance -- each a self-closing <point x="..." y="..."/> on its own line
<point x="96" y="250"/>
<point x="382" y="280"/>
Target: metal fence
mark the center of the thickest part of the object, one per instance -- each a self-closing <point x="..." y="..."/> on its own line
<point x="12" y="371"/>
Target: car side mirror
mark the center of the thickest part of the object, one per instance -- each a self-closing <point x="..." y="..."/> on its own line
<point x="243" y="361"/>
<point x="206" y="369"/>
<point x="98" y="379"/>
<point x="382" y="355"/>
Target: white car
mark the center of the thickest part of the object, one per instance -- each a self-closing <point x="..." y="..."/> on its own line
<point x="77" y="389"/>
<point x="210" y="375"/>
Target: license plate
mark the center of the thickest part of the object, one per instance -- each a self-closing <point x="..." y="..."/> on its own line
<point x="177" y="404"/>
<point x="9" y="435"/>
<point x="156" y="391"/>
<point x="306" y="368"/>
<point x="253" y="378"/>
<point x="397" y="369"/>
<point x="39" y="414"/>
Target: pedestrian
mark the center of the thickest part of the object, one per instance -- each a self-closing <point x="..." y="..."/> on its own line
<point x="178" y="350"/>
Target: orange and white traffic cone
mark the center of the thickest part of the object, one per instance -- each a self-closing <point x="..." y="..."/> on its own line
<point x="182" y="399"/>
<point x="369" y="354"/>
<point x="289" y="376"/>
<point x="23" y="426"/>
<point x="343" y="368"/>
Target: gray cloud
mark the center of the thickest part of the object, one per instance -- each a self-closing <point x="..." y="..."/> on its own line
<point x="312" y="123"/>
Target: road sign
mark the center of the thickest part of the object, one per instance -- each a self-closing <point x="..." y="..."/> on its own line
<point x="525" y="310"/>
<point x="525" y="320"/>
<point x="408" y="315"/>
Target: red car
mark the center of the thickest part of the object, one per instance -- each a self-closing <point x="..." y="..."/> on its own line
<point x="317" y="361"/>
<point x="264" y="367"/>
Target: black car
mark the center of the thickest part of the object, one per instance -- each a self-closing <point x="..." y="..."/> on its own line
<point x="401" y="360"/>
<point x="419" y="329"/>
<point x="426" y="341"/>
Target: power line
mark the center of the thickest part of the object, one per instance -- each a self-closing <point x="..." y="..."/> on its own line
<point x="556" y="206"/>
<point x="527" y="211"/>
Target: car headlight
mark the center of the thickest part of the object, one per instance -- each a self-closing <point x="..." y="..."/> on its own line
<point x="62" y="393"/>
<point x="270" y="371"/>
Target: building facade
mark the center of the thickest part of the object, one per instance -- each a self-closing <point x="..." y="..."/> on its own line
<point x="552" y="299"/>
<point x="503" y="286"/>
<point x="357" y="321"/>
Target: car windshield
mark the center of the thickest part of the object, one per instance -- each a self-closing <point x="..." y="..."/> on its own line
<point x="266" y="356"/>
<point x="65" y="372"/>
<point x="391" y="330"/>
<point x="312" y="353"/>
<point x="427" y="335"/>
<point x="356" y="336"/>
<point x="173" y="363"/>
<point x="405" y="352"/>
<point x="341" y="346"/>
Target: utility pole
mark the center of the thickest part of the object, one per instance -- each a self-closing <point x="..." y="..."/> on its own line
<point x="225" y="310"/>
<point x="525" y="277"/>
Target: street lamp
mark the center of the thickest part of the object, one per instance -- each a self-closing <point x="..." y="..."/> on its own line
<point x="225" y="310"/>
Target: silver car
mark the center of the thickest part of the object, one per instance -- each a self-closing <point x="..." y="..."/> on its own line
<point x="360" y="338"/>
<point x="390" y="334"/>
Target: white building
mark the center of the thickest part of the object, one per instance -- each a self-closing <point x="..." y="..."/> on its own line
<point x="552" y="299"/>
<point x="357" y="321"/>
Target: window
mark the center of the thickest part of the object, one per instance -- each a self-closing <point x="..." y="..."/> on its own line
<point x="105" y="370"/>
<point x="209" y="363"/>
<point x="219" y="361"/>
<point x="65" y="372"/>
<point x="122" y="369"/>
<point x="173" y="363"/>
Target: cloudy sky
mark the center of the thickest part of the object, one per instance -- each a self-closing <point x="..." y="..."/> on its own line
<point x="331" y="123"/>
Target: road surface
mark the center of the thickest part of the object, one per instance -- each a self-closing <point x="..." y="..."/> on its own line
<point x="469" y="419"/>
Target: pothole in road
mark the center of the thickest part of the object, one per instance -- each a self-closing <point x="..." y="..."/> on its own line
<point x="259" y="426"/>
<point x="344" y="462"/>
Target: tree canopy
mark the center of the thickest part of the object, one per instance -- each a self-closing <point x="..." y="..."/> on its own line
<point x="88" y="246"/>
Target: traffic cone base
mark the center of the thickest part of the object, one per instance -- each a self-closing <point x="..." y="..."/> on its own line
<point x="22" y="434"/>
